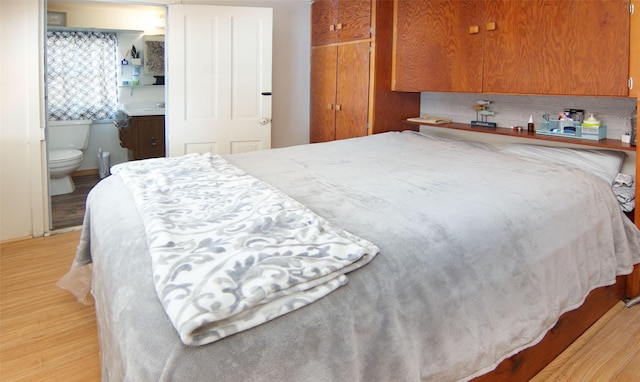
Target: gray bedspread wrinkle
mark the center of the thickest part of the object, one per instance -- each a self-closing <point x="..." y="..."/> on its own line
<point x="480" y="253"/>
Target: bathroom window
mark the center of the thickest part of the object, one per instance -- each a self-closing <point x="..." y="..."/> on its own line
<point x="81" y="75"/>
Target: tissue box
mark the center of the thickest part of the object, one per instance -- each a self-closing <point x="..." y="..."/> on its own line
<point x="593" y="133"/>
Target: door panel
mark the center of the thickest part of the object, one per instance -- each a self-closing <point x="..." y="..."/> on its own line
<point x="202" y="72"/>
<point x="352" y="97"/>
<point x="531" y="54"/>
<point x="520" y="58"/>
<point x="245" y="68"/>
<point x="354" y="20"/>
<point x="324" y="17"/>
<point x="149" y="137"/>
<point x="323" y="93"/>
<point x="219" y="64"/>
<point x="434" y="47"/>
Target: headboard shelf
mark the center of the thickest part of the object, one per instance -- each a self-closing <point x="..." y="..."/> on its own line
<point x="613" y="144"/>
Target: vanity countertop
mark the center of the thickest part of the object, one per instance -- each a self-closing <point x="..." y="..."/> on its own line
<point x="143" y="109"/>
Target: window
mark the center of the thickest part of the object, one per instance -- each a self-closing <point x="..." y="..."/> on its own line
<point x="81" y="75"/>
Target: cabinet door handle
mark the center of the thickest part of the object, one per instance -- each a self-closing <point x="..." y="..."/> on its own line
<point x="338" y="107"/>
<point x="491" y="26"/>
<point x="339" y="26"/>
<point x="330" y="106"/>
<point x="332" y="27"/>
<point x="474" y="29"/>
<point x="154" y="141"/>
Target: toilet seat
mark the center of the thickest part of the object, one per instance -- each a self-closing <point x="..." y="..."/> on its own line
<point x="66" y="155"/>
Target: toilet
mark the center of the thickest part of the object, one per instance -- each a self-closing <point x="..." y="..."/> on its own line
<point x="65" y="142"/>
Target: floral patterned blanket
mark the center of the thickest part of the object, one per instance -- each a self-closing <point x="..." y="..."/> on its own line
<point x="230" y="252"/>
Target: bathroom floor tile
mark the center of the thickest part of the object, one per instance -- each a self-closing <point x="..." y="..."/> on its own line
<point x="68" y="210"/>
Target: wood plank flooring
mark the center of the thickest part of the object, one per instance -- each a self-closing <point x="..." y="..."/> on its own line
<point x="608" y="351"/>
<point x="46" y="335"/>
<point x="68" y="210"/>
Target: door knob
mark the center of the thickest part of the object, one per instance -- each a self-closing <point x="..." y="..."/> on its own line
<point x="264" y="121"/>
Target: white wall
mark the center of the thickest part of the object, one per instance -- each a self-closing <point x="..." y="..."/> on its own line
<point x="21" y="200"/>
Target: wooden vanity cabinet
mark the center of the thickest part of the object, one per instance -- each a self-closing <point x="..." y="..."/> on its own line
<point x="563" y="47"/>
<point x="334" y="21"/>
<point x="144" y="137"/>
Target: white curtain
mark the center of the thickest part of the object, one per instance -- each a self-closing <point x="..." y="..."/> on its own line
<point x="81" y="75"/>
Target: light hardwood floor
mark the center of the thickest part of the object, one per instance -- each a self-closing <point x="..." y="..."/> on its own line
<point x="46" y="335"/>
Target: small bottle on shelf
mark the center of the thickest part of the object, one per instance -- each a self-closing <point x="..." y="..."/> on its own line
<point x="530" y="126"/>
<point x="135" y="76"/>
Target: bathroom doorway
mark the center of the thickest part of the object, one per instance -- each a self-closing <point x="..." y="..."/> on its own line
<point x="130" y="23"/>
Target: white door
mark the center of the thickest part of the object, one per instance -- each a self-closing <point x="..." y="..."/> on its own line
<point x="218" y="79"/>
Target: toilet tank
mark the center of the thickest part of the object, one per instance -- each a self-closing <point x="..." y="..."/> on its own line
<point x="68" y="134"/>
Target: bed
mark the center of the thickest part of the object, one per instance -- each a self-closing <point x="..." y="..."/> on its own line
<point x="469" y="256"/>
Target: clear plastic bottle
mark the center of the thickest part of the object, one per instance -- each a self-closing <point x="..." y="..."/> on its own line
<point x="135" y="76"/>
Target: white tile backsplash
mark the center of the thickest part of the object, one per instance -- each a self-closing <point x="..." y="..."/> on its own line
<point x="514" y="110"/>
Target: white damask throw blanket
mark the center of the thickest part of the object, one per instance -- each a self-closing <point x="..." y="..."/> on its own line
<point x="230" y="252"/>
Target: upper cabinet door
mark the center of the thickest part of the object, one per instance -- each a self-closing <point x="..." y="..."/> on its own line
<point x="352" y="91"/>
<point x="324" y="17"/>
<point x="354" y="20"/>
<point x="634" y="68"/>
<point x="438" y="45"/>
<point x="334" y="21"/>
<point x="571" y="47"/>
<point x="560" y="47"/>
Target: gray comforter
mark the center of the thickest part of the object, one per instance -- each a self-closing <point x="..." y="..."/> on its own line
<point x="480" y="253"/>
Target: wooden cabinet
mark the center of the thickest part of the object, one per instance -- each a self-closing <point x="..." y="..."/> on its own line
<point x="144" y="137"/>
<point x="433" y="47"/>
<point x="336" y="21"/>
<point x="351" y="80"/>
<point x="340" y="88"/>
<point x="563" y="47"/>
<point x="634" y="60"/>
<point x="634" y="55"/>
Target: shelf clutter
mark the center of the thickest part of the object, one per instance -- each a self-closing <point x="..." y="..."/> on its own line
<point x="614" y="144"/>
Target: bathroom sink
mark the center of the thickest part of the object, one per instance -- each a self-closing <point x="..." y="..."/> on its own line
<point x="141" y="109"/>
<point x="149" y="111"/>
